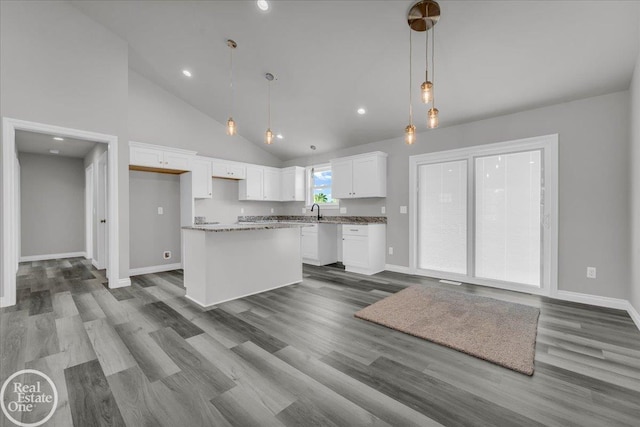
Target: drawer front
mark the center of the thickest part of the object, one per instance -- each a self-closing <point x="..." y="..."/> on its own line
<point x="310" y="229"/>
<point x="355" y="230"/>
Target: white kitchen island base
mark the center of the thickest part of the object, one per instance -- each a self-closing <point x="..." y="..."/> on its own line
<point x="222" y="264"/>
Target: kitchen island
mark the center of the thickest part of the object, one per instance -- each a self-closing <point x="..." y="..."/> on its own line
<point x="223" y="262"/>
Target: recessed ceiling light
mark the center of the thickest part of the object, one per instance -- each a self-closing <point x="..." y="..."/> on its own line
<point x="263" y="5"/>
<point x="361" y="111"/>
<point x="186" y="73"/>
<point x="54" y="151"/>
<point x="57" y="138"/>
<point x="279" y="136"/>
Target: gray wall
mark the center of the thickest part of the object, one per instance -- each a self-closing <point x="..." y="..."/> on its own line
<point x="52" y="204"/>
<point x="593" y="187"/>
<point x="57" y="66"/>
<point x="224" y="206"/>
<point x="152" y="234"/>
<point x="635" y="186"/>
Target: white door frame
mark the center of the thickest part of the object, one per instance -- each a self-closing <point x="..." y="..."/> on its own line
<point x="549" y="144"/>
<point x="9" y="221"/>
<point x="102" y="255"/>
<point x="88" y="211"/>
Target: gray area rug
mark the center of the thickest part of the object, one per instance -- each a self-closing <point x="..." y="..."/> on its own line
<point x="500" y="332"/>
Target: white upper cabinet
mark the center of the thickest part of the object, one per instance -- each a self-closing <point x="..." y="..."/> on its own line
<point x="159" y="157"/>
<point x="227" y="169"/>
<point x="360" y="176"/>
<point x="251" y="187"/>
<point x="292" y="184"/>
<point x="271" y="184"/>
<point x="201" y="178"/>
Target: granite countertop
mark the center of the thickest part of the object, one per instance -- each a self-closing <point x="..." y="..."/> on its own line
<point x="275" y="219"/>
<point x="243" y="227"/>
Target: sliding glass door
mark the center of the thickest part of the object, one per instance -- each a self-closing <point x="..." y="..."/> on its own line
<point x="486" y="214"/>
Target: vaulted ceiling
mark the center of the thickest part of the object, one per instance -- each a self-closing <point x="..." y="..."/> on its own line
<point x="332" y="57"/>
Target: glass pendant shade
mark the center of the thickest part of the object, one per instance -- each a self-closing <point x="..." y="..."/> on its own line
<point x="410" y="134"/>
<point x="268" y="137"/>
<point x="432" y="118"/>
<point x="427" y="92"/>
<point x="231" y="127"/>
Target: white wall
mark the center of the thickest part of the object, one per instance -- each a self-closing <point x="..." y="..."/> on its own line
<point x="52" y="204"/>
<point x="593" y="187"/>
<point x="59" y="67"/>
<point x="635" y="186"/>
<point x="158" y="117"/>
<point x="151" y="233"/>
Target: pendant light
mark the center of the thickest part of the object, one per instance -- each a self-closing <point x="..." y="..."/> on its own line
<point x="432" y="114"/>
<point x="232" y="129"/>
<point x="410" y="130"/>
<point x="268" y="136"/>
<point x="423" y="16"/>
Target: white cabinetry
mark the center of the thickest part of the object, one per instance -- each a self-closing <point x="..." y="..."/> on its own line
<point x="292" y="184"/>
<point x="227" y="169"/>
<point x="201" y="176"/>
<point x="159" y="157"/>
<point x="363" y="248"/>
<point x="251" y="187"/>
<point x="319" y="244"/>
<point x="271" y="184"/>
<point x="360" y="176"/>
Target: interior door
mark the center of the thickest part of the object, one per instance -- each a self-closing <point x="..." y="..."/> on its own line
<point x="102" y="226"/>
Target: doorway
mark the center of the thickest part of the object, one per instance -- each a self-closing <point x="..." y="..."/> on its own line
<point x="487" y="215"/>
<point x="10" y="192"/>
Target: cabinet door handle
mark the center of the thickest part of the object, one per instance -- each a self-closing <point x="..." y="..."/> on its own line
<point x="160" y="161"/>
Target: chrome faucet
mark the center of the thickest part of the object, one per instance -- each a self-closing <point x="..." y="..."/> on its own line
<point x="312" y="206"/>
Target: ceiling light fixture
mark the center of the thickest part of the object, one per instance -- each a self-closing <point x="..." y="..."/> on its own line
<point x="423" y="16"/>
<point x="279" y="136"/>
<point x="361" y="111"/>
<point x="232" y="129"/>
<point x="263" y="5"/>
<point x="410" y="130"/>
<point x="57" y="138"/>
<point x="187" y="73"/>
<point x="54" y="151"/>
<point x="268" y="136"/>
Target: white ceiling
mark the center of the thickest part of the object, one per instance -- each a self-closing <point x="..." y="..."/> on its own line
<point x="331" y="57"/>
<point x="41" y="143"/>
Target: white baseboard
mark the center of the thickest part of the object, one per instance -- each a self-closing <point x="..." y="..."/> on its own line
<point x="618" y="303"/>
<point x="52" y="256"/>
<point x="397" y="268"/>
<point x="121" y="283"/>
<point x="635" y="316"/>
<point x="154" y="269"/>
<point x="241" y="296"/>
<point x="4" y="302"/>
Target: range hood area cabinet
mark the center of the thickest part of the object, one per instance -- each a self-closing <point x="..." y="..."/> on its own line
<point x="228" y="169"/>
<point x="361" y="176"/>
<point x="272" y="184"/>
<point x="158" y="158"/>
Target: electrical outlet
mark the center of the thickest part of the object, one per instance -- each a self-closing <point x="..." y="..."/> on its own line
<point x="383" y="210"/>
<point x="241" y="210"/>
<point x="160" y="210"/>
<point x="403" y="209"/>
<point x="591" y="272"/>
<point x="390" y="250"/>
<point x="343" y="210"/>
<point x="304" y="210"/>
<point x="272" y="210"/>
<point x="166" y="255"/>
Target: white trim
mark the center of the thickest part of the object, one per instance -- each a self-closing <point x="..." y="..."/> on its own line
<point x="88" y="210"/>
<point x="635" y="316"/>
<point x="121" y="283"/>
<point x="9" y="243"/>
<point x="618" y="303"/>
<point x="548" y="143"/>
<point x="241" y="296"/>
<point x="397" y="268"/>
<point x="94" y="263"/>
<point x="154" y="269"/>
<point x="46" y="257"/>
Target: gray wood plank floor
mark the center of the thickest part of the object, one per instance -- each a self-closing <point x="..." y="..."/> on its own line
<point x="296" y="356"/>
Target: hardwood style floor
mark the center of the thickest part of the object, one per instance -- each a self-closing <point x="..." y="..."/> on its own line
<point x="296" y="356"/>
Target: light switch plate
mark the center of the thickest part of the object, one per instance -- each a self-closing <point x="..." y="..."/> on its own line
<point x="383" y="210"/>
<point x="591" y="272"/>
<point x="241" y="210"/>
<point x="343" y="210"/>
<point x="390" y="250"/>
<point x="403" y="209"/>
<point x="272" y="210"/>
<point x="160" y="210"/>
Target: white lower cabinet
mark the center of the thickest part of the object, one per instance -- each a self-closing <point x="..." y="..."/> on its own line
<point x="320" y="244"/>
<point x="363" y="248"/>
